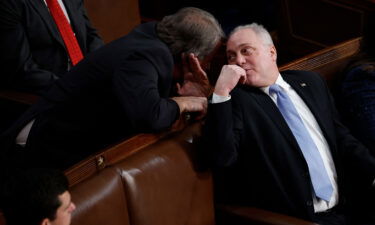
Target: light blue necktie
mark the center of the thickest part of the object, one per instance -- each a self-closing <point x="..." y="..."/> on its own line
<point x="319" y="177"/>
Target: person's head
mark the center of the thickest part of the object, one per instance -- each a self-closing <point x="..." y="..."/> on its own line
<point x="190" y="30"/>
<point x="36" y="197"/>
<point x="251" y="47"/>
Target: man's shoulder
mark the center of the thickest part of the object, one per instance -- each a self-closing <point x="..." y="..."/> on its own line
<point x="298" y="73"/>
<point x="301" y="75"/>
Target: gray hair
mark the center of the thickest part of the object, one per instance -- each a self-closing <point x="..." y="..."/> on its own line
<point x="259" y="30"/>
<point x="190" y="30"/>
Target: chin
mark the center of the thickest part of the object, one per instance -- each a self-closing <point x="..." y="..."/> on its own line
<point x="251" y="79"/>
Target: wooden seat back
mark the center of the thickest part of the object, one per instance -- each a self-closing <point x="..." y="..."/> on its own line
<point x="328" y="62"/>
<point x="113" y="18"/>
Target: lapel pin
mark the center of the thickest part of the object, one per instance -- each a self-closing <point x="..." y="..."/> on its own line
<point x="303" y="84"/>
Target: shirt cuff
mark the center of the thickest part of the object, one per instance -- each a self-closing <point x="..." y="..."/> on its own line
<point x="219" y="99"/>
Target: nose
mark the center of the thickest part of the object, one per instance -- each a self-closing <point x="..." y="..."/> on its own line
<point x="240" y="60"/>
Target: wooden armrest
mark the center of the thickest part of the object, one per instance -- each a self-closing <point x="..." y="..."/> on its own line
<point x="109" y="156"/>
<point x="18" y="97"/>
<point x="2" y="219"/>
<point x="249" y="215"/>
<point x="119" y="151"/>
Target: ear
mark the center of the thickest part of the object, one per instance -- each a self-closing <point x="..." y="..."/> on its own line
<point x="273" y="53"/>
<point x="45" y="221"/>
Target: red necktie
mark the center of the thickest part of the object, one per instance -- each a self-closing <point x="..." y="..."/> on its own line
<point x="74" y="51"/>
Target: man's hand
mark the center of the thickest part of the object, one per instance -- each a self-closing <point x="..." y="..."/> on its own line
<point x="192" y="104"/>
<point x="229" y="76"/>
<point x="195" y="79"/>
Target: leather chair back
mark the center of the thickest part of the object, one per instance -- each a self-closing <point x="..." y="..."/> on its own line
<point x="100" y="200"/>
<point x="164" y="187"/>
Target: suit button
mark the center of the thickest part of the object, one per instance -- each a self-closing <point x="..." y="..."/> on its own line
<point x="309" y="203"/>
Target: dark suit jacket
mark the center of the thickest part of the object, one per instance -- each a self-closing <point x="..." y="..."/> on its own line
<point x="257" y="159"/>
<point x="120" y="89"/>
<point x="32" y="52"/>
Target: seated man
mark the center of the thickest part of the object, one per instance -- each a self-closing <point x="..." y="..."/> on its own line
<point x="36" y="197"/>
<point x="126" y="87"/>
<point x="41" y="40"/>
<point x="276" y="142"/>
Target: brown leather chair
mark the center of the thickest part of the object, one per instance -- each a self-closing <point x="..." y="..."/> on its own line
<point x="101" y="200"/>
<point x="160" y="184"/>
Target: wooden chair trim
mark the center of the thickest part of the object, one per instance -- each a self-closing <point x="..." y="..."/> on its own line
<point x="325" y="56"/>
<point x="120" y="151"/>
<point x="110" y="156"/>
<point x="260" y="216"/>
<point x="20" y="97"/>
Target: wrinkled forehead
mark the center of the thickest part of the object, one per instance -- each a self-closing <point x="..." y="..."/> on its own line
<point x="242" y="37"/>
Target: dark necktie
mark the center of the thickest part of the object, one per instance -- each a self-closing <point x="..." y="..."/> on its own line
<point x="319" y="177"/>
<point x="66" y="32"/>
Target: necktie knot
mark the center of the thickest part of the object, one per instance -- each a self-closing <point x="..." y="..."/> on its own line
<point x="274" y="88"/>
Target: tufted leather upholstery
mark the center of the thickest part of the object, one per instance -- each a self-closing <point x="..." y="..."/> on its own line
<point x="100" y="200"/>
<point x="159" y="185"/>
<point x="164" y="188"/>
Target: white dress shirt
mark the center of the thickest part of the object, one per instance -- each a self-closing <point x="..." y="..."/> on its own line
<point x="62" y="7"/>
<point x="316" y="134"/>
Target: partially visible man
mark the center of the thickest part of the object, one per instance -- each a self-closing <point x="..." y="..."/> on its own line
<point x="126" y="87"/>
<point x="276" y="142"/>
<point x="36" y="197"/>
<point x="40" y="40"/>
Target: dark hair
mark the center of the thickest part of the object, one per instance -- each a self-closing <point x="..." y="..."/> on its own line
<point x="29" y="196"/>
<point x="366" y="54"/>
<point x="190" y="30"/>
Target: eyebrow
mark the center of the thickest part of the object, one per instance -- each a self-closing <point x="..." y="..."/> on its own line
<point x="240" y="46"/>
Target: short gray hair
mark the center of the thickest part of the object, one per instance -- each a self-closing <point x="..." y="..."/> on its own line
<point x="190" y="30"/>
<point x="259" y="30"/>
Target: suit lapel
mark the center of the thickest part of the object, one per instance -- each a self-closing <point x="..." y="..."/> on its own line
<point x="42" y="9"/>
<point x="305" y="90"/>
<point x="74" y="21"/>
<point x="270" y="108"/>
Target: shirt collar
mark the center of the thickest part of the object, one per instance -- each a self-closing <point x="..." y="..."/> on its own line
<point x="279" y="81"/>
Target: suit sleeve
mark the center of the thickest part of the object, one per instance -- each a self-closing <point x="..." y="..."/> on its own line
<point x="16" y="60"/>
<point x="357" y="92"/>
<point x="222" y="133"/>
<point x="354" y="155"/>
<point x="93" y="40"/>
<point x="136" y="87"/>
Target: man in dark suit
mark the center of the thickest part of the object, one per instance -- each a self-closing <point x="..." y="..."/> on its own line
<point x="33" y="53"/>
<point x="262" y="159"/>
<point x="123" y="88"/>
<point x="36" y="197"/>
